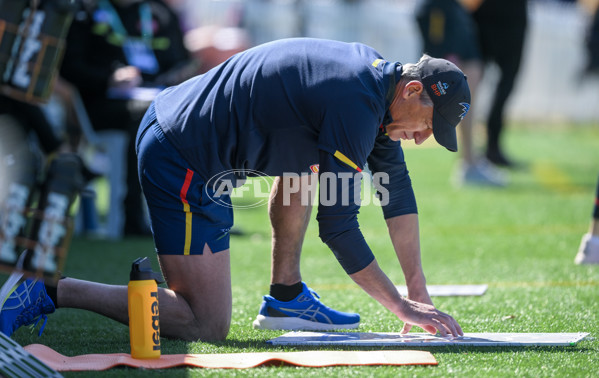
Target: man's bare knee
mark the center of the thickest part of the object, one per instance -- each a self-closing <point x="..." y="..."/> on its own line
<point x="200" y="300"/>
<point x="199" y="331"/>
<point x="209" y="331"/>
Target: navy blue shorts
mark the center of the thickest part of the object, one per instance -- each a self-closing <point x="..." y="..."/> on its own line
<point x="183" y="217"/>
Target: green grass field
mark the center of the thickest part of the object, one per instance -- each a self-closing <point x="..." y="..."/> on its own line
<point x="520" y="240"/>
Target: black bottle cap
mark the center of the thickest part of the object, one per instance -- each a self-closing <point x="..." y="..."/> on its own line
<point x="141" y="270"/>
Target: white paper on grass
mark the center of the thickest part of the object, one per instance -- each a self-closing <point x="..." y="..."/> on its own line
<point x="425" y="339"/>
<point x="450" y="290"/>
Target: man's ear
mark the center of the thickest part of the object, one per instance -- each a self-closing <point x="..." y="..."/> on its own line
<point x="413" y="87"/>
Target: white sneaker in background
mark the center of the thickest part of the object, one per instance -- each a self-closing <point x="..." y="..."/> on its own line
<point x="588" y="252"/>
<point x="481" y="173"/>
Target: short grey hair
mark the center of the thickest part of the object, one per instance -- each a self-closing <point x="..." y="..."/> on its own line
<point x="411" y="71"/>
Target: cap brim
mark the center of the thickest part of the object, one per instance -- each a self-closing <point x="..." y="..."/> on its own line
<point x="444" y="132"/>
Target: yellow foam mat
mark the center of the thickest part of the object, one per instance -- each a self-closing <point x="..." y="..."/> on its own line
<point x="317" y="358"/>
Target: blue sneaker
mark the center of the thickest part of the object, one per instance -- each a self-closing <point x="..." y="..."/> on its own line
<point x="305" y="313"/>
<point x="28" y="304"/>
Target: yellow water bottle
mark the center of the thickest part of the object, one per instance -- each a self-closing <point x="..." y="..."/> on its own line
<point x="144" y="324"/>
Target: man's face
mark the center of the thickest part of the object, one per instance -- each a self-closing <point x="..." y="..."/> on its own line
<point x="411" y="119"/>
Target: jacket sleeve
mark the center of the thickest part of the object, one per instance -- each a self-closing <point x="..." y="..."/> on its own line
<point x="339" y="203"/>
<point x="391" y="178"/>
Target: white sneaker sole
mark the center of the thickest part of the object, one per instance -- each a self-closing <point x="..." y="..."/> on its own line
<point x="582" y="258"/>
<point x="588" y="252"/>
<point x="297" y="324"/>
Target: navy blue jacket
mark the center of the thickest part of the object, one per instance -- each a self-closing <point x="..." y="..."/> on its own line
<point x="287" y="106"/>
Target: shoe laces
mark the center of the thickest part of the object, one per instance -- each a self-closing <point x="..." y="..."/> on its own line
<point x="32" y="327"/>
<point x="315" y="294"/>
<point x="316" y="298"/>
<point x="32" y="315"/>
<point x="312" y="297"/>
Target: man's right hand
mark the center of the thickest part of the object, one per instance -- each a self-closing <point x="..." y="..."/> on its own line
<point x="427" y="317"/>
<point x="424" y="315"/>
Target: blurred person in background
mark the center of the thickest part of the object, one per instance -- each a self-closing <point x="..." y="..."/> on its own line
<point x="502" y="28"/>
<point x="474" y="33"/>
<point x="211" y="43"/>
<point x="592" y="37"/>
<point x="588" y="252"/>
<point x="448" y="31"/>
<point x="119" y="54"/>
